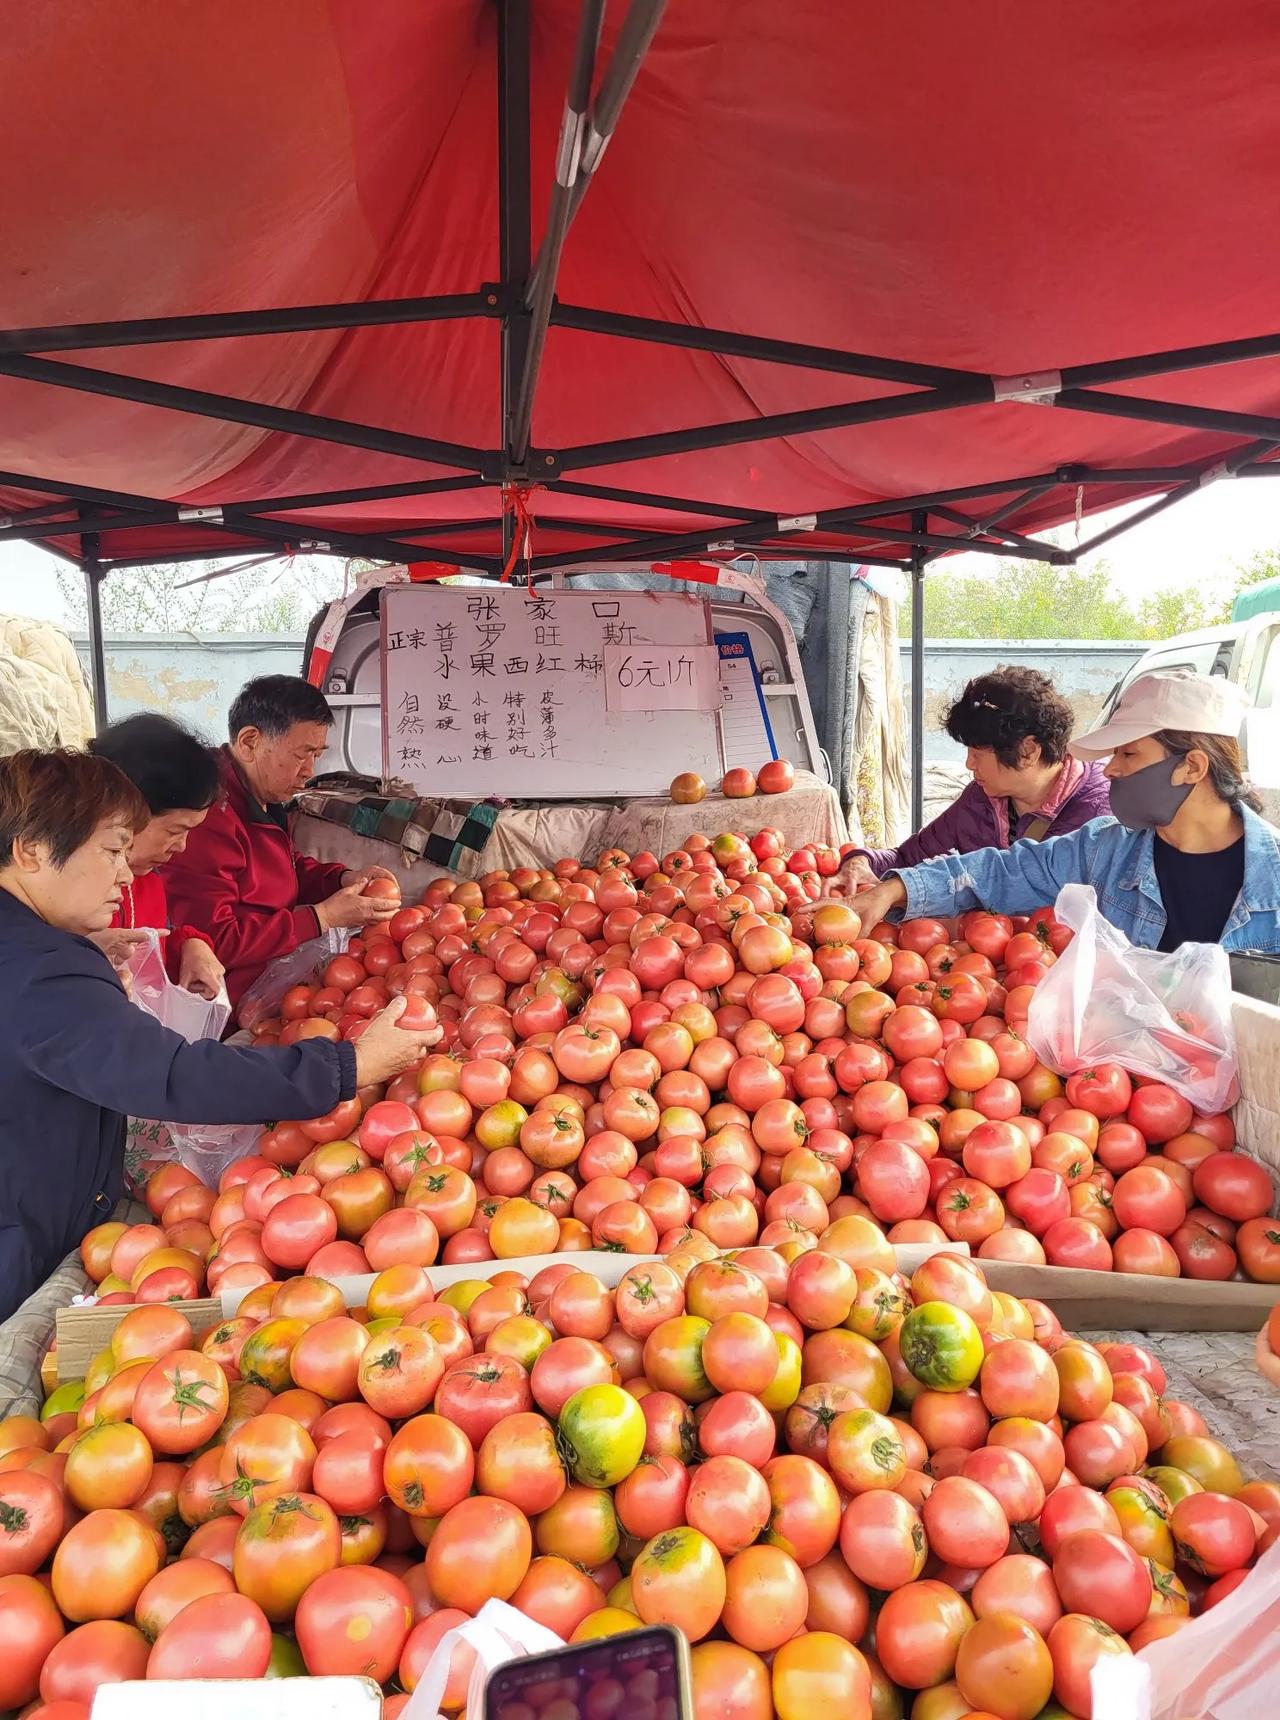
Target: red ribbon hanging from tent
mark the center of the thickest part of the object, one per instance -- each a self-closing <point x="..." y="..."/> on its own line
<point x="515" y="501"/>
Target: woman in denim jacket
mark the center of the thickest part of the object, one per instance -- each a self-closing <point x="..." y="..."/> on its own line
<point x="1186" y="857"/>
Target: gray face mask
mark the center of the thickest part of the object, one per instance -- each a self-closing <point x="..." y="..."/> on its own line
<point x="1148" y="799"/>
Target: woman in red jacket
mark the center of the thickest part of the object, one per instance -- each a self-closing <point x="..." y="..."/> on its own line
<point x="178" y="778"/>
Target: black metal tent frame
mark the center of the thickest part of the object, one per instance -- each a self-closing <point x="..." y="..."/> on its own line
<point x="525" y="305"/>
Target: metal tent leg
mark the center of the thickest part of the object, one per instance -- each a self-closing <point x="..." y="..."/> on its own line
<point x="918" y="523"/>
<point x="93" y="578"/>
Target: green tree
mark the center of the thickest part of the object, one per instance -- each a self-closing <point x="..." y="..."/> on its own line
<point x="1027" y="600"/>
<point x="271" y="597"/>
<point x="1034" y="600"/>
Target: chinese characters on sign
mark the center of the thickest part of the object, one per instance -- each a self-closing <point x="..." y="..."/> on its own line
<point x="523" y="694"/>
<point x="661" y="677"/>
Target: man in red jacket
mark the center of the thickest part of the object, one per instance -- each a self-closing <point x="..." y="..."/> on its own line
<point x="240" y="878"/>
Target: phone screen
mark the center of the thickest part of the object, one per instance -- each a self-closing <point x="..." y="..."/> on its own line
<point x="640" y="1675"/>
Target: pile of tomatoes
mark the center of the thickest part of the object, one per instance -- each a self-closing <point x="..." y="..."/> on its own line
<point x="647" y="1047"/>
<point x="768" y="1452"/>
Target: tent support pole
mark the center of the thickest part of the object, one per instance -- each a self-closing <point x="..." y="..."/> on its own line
<point x="274" y="531"/>
<point x="919" y="523"/>
<point x="515" y="240"/>
<point x="1228" y="468"/>
<point x="731" y="345"/>
<point x="732" y="537"/>
<point x="881" y="409"/>
<point x="232" y="409"/>
<point x="541" y="288"/>
<point x="93" y="578"/>
<point x="222" y="325"/>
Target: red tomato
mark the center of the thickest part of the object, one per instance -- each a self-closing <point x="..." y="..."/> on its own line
<point x="1104" y="1574"/>
<point x="1213" y="1534"/>
<point x="30" y="1632"/>
<point x="918" y="1633"/>
<point x="354" y="1623"/>
<point x="1076" y="1643"/>
<point x="214" y="1636"/>
<point x="1159" y="1112"/>
<point x="1229" y="1183"/>
<point x="282" y="1548"/>
<point x="1148" y="1199"/>
<point x="882" y="1540"/>
<point x="1104" y="1090"/>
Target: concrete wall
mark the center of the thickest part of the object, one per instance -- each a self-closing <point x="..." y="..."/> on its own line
<point x="1084" y="670"/>
<point x="196" y="679"/>
<point x="189" y="678"/>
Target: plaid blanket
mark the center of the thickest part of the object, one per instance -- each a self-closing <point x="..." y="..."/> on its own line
<point x="27" y="1334"/>
<point x="448" y="833"/>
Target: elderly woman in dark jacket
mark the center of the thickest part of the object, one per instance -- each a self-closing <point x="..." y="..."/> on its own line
<point x="77" y="1057"/>
<point x="1026" y="786"/>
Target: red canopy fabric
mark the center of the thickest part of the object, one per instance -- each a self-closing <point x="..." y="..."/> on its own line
<point x="991" y="187"/>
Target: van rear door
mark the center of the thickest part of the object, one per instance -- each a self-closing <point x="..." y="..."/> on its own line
<point x="1259" y="675"/>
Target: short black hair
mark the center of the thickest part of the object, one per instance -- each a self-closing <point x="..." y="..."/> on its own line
<point x="171" y="768"/>
<point x="274" y="703"/>
<point x="1007" y="707"/>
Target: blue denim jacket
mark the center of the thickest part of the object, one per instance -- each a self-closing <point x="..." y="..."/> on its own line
<point x="1119" y="863"/>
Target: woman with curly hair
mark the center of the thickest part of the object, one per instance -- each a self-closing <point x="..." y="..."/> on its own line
<point x="1186" y="858"/>
<point x="1015" y="725"/>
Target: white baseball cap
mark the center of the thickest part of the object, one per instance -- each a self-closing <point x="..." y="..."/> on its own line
<point x="1167" y="699"/>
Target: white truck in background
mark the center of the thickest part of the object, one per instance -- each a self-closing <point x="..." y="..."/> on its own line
<point x="1246" y="650"/>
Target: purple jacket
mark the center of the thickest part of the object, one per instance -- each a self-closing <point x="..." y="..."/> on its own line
<point x="976" y="821"/>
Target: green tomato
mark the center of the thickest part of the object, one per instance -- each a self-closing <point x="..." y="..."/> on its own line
<point x="941" y="1346"/>
<point x="603" y="1430"/>
<point x="286" y="1659"/>
<point x="65" y="1399"/>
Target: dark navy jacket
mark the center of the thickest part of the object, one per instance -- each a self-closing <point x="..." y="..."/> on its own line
<point x="77" y="1057"/>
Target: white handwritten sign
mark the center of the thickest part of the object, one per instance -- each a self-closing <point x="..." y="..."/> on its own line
<point x="499" y="691"/>
<point x="661" y="678"/>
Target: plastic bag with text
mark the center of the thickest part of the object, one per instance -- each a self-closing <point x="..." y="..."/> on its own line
<point x="1164" y="1016"/>
<point x="299" y="967"/>
<point x="1224" y="1665"/>
<point x="153" y="991"/>
<point x="497" y="1634"/>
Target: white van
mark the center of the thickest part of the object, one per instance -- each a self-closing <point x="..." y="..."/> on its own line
<point x="1247" y="651"/>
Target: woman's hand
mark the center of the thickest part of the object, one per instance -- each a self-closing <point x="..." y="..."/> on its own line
<point x="876" y="903"/>
<point x="117" y="944"/>
<point x="199" y="969"/>
<point x="384" y="1049"/>
<point x="853" y="876"/>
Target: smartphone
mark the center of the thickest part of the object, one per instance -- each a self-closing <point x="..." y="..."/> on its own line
<point x="640" y="1675"/>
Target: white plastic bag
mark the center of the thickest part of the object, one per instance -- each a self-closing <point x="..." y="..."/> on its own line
<point x="1224" y="1664"/>
<point x="498" y="1633"/>
<point x="149" y="1143"/>
<point x="299" y="967"/>
<point x="152" y="990"/>
<point x="1167" y="1017"/>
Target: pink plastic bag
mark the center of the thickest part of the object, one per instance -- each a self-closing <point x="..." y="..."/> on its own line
<point x="1224" y="1665"/>
<point x="1164" y="1016"/>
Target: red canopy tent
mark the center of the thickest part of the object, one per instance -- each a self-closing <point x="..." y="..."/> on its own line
<point x="849" y="283"/>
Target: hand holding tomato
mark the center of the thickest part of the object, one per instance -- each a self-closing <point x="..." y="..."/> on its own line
<point x="855" y="874"/>
<point x="385" y="1048"/>
<point x="877" y="900"/>
<point x="350" y="906"/>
